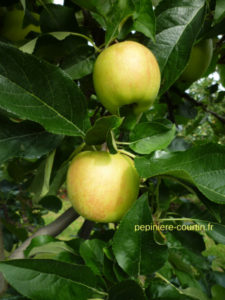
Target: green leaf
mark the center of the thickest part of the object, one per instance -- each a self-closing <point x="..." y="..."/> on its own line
<point x="221" y="69"/>
<point x="58" y="18"/>
<point x="93" y="255"/>
<point x="150" y="136"/>
<point x="178" y="24"/>
<point x="195" y="293"/>
<point x="139" y="254"/>
<point x="219" y="11"/>
<point x="51" y="202"/>
<point x="32" y="278"/>
<point x="40" y="92"/>
<point x="128" y="289"/>
<point x="144" y="18"/>
<point x="38" y="241"/>
<point x="40" y="184"/>
<point x="203" y="166"/>
<point x="25" y="139"/>
<point x="112" y="15"/>
<point x="217" y="233"/>
<point x="218" y="292"/>
<point x="97" y="135"/>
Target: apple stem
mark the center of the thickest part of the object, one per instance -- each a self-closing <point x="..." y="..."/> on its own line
<point x="127" y="153"/>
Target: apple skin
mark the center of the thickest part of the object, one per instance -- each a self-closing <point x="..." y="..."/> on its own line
<point x="102" y="186"/>
<point x="199" y="61"/>
<point x="13" y="26"/>
<point x="126" y="73"/>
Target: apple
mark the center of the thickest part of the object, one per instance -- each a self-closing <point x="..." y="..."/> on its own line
<point x="199" y="61"/>
<point x="12" y="28"/>
<point x="102" y="186"/>
<point x="126" y="73"/>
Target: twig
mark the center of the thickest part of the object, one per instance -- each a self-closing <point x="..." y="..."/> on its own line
<point x="53" y="229"/>
<point x="202" y="105"/>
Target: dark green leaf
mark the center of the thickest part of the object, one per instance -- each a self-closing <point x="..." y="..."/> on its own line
<point x="218" y="292"/>
<point x="25" y="139"/>
<point x="203" y="166"/>
<point x="219" y="11"/>
<point x="35" y="90"/>
<point x="128" y="289"/>
<point x="51" y="202"/>
<point x="178" y="23"/>
<point x="93" y="255"/>
<point x="58" y="18"/>
<point x="32" y="278"/>
<point x="98" y="133"/>
<point x="135" y="249"/>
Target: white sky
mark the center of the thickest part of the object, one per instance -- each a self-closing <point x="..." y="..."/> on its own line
<point x="59" y="2"/>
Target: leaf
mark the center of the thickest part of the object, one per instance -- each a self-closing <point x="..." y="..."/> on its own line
<point x="32" y="278"/>
<point x="80" y="61"/>
<point x="51" y="202"/>
<point x="40" y="92"/>
<point x="219" y="11"/>
<point x="135" y="250"/>
<point x="38" y="241"/>
<point x="144" y="18"/>
<point x="221" y="69"/>
<point x="150" y="136"/>
<point x="218" y="292"/>
<point x="112" y="15"/>
<point x="40" y="184"/>
<point x="93" y="255"/>
<point x="217" y="233"/>
<point x="178" y="24"/>
<point x="203" y="166"/>
<point x="58" y="18"/>
<point x="97" y="135"/>
<point x="128" y="289"/>
<point x="25" y="139"/>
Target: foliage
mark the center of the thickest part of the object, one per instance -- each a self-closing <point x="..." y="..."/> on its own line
<point x="49" y="112"/>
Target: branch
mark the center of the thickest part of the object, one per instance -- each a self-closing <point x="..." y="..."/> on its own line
<point x="85" y="230"/>
<point x="3" y="284"/>
<point x="53" y="229"/>
<point x="202" y="105"/>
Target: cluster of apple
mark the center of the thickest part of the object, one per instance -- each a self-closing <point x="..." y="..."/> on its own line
<point x="102" y="186"/>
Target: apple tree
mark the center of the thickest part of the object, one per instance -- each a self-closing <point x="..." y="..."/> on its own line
<point x="112" y="149"/>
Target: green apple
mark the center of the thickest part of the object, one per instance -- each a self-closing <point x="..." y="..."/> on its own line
<point x="12" y="28"/>
<point x="126" y="73"/>
<point x="102" y="186"/>
<point x="199" y="61"/>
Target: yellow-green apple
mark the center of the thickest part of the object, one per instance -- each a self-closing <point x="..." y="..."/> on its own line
<point x="126" y="73"/>
<point x="199" y="61"/>
<point x="12" y="28"/>
<point x="102" y="186"/>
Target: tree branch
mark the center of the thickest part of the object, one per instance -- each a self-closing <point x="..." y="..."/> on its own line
<point x="53" y="229"/>
<point x="85" y="230"/>
<point x="202" y="105"/>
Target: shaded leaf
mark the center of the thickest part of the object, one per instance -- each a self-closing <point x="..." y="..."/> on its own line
<point x="25" y="139"/>
<point x="135" y="250"/>
<point x="128" y="289"/>
<point x="93" y="255"/>
<point x="97" y="135"/>
<point x="203" y="166"/>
